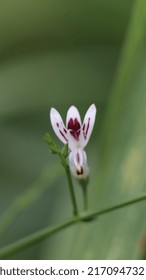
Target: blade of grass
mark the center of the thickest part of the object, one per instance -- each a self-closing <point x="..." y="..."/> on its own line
<point x="130" y="53"/>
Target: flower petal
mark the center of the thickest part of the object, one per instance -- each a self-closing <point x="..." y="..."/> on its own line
<point x="58" y="125"/>
<point x="73" y="123"/>
<point x="73" y="113"/>
<point x="78" y="164"/>
<point x="88" y="124"/>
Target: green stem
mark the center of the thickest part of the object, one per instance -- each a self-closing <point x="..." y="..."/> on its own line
<point x="72" y="193"/>
<point x="118" y="206"/>
<point x="84" y="185"/>
<point x="85" y="197"/>
<point x="33" y="239"/>
<point x="44" y="233"/>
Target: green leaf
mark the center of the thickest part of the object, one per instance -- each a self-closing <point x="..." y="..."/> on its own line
<point x="53" y="147"/>
<point x="65" y="151"/>
<point x="56" y="150"/>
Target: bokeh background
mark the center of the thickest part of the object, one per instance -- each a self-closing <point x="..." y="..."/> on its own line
<point x="63" y="53"/>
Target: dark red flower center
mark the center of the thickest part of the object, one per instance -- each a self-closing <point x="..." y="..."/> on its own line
<point x="74" y="128"/>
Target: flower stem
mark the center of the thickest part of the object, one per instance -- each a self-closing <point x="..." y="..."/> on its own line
<point x="85" y="197"/>
<point x="48" y="231"/>
<point x="72" y="193"/>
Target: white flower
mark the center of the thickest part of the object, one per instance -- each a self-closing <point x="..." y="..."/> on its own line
<point x="76" y="135"/>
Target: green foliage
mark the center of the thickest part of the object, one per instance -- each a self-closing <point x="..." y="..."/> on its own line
<point x="56" y="150"/>
<point x="65" y="151"/>
<point x="53" y="147"/>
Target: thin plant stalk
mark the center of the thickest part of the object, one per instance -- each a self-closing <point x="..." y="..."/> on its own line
<point x="72" y="193"/>
<point x="34" y="238"/>
<point x="85" y="198"/>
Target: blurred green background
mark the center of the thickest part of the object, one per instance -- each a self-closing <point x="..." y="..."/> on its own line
<point x="63" y="53"/>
